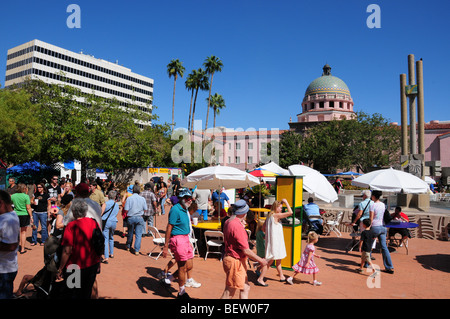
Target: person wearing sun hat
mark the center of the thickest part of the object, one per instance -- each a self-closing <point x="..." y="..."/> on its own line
<point x="236" y="253"/>
<point x="177" y="239"/>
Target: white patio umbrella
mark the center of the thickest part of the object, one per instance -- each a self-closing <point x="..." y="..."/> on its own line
<point x="275" y="168"/>
<point x="315" y="183"/>
<point x="391" y="180"/>
<point x="216" y="177"/>
<point x="429" y="180"/>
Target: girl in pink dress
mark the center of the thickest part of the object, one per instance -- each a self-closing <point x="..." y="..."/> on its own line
<point x="306" y="265"/>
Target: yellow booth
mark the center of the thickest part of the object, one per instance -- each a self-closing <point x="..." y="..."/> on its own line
<point x="291" y="188"/>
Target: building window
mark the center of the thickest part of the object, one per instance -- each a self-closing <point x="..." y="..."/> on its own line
<point x="321" y="105"/>
<point x="238" y="146"/>
<point x="237" y="160"/>
<point x="250" y="146"/>
<point x="229" y="159"/>
<point x="250" y="160"/>
<point x="331" y="104"/>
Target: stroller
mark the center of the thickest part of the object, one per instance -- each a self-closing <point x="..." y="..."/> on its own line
<point x="44" y="285"/>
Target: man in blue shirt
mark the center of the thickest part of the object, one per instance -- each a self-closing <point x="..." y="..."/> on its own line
<point x="363" y="208"/>
<point x="220" y="196"/>
<point x="312" y="210"/>
<point x="135" y="206"/>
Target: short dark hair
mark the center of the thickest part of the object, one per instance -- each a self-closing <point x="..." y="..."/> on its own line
<point x="367" y="222"/>
<point x="376" y="194"/>
<point x="5" y="197"/>
<point x="310" y="200"/>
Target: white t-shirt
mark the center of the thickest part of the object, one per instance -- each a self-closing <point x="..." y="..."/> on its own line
<point x="9" y="234"/>
<point x="378" y="208"/>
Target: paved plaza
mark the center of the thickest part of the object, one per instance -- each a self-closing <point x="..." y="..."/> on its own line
<point x="422" y="274"/>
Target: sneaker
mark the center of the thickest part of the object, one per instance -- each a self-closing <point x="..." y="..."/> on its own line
<point x="290" y="281"/>
<point x="192" y="283"/>
<point x="317" y="283"/>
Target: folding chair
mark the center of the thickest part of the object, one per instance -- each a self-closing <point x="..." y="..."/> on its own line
<point x="194" y="241"/>
<point x="158" y="240"/>
<point x="332" y="225"/>
<point x="356" y="235"/>
<point x="214" y="239"/>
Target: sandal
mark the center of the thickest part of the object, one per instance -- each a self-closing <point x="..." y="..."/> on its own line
<point x="260" y="284"/>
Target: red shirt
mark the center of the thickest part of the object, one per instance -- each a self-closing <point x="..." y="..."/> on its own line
<point x="236" y="239"/>
<point x="78" y="235"/>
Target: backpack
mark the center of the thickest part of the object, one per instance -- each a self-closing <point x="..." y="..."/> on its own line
<point x="98" y="241"/>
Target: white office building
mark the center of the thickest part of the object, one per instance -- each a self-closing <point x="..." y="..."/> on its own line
<point x="40" y="60"/>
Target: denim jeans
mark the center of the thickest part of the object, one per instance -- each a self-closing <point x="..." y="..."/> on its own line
<point x="39" y="217"/>
<point x="380" y="233"/>
<point x="7" y="284"/>
<point x="135" y="224"/>
<point x="163" y="201"/>
<point x="108" y="233"/>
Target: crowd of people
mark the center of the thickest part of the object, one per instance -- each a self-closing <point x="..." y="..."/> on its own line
<point x="70" y="215"/>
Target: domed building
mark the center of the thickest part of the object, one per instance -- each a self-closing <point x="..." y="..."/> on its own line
<point x="326" y="98"/>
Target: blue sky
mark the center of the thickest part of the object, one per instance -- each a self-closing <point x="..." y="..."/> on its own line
<point x="271" y="50"/>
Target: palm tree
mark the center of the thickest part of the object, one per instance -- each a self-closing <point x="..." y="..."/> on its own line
<point x="217" y="103"/>
<point x="189" y="84"/>
<point x="174" y="68"/>
<point x="200" y="82"/>
<point x="212" y="64"/>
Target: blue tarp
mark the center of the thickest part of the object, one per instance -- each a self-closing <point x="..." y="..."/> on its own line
<point x="30" y="166"/>
<point x="69" y="165"/>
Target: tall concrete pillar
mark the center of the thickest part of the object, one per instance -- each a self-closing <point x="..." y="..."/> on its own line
<point x="420" y="107"/>
<point x="404" y="114"/>
<point x="412" y="106"/>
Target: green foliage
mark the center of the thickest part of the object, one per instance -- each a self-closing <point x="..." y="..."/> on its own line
<point x="97" y="132"/>
<point x="20" y="129"/>
<point x="363" y="142"/>
<point x="289" y="149"/>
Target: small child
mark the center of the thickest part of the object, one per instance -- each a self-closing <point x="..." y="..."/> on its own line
<point x="306" y="265"/>
<point x="365" y="245"/>
<point x="260" y="245"/>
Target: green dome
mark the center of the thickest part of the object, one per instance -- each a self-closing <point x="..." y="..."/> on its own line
<point x="327" y="84"/>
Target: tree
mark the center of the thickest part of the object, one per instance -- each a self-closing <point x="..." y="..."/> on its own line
<point x="20" y="128"/>
<point x="217" y="103"/>
<point x="363" y="142"/>
<point x="290" y="149"/>
<point x="212" y="65"/>
<point x="97" y="132"/>
<point x="174" y="69"/>
<point x="190" y="86"/>
<point x="199" y="82"/>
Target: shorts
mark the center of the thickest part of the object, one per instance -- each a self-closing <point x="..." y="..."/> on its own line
<point x="365" y="257"/>
<point x="181" y="247"/>
<point x="236" y="272"/>
<point x="24" y="220"/>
